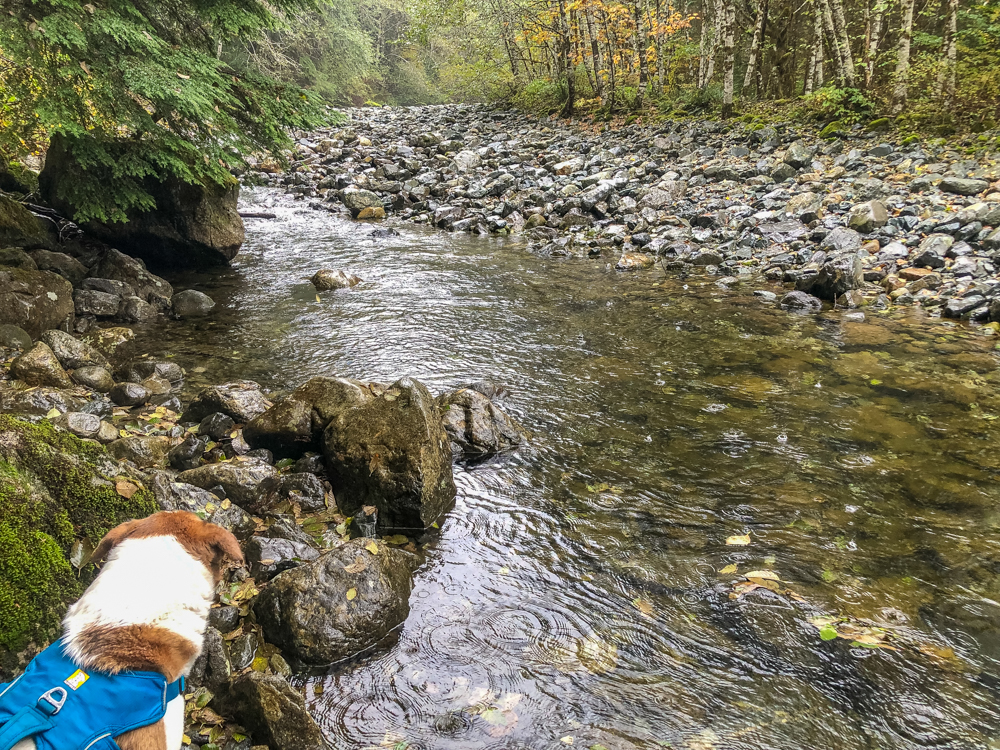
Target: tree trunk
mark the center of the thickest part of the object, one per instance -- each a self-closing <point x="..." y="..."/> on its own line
<point x="831" y="33"/>
<point x="758" y="34"/>
<point x="843" y="40"/>
<point x="814" y="73"/>
<point x="949" y="53"/>
<point x="729" y="57"/>
<point x="900" y="91"/>
<point x="565" y="63"/>
<point x="874" y="37"/>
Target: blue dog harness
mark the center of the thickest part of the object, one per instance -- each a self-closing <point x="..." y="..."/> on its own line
<point x="62" y="707"/>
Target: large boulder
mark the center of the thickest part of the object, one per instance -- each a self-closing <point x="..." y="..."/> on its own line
<point x="149" y="287"/>
<point x="241" y="399"/>
<point x="476" y="424"/>
<point x="71" y="352"/>
<point x="55" y="490"/>
<point x="833" y="278"/>
<point x="273" y="711"/>
<point x="35" y="300"/>
<point x="21" y="228"/>
<point x="240" y="479"/>
<point x="192" y="225"/>
<point x="391" y="451"/>
<point x="39" y="366"/>
<point x="344" y="602"/>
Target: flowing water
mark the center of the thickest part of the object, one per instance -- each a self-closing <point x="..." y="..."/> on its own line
<point x="582" y="592"/>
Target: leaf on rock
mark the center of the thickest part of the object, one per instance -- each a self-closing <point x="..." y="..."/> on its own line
<point x="351" y="593"/>
<point x="738" y="540"/>
<point x="372" y="547"/>
<point x="125" y="488"/>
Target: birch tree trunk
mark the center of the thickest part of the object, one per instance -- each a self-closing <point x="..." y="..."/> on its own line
<point x="900" y="91"/>
<point x="949" y="53"/>
<point x="814" y="73"/>
<point x="710" y="47"/>
<point x="758" y="34"/>
<point x="728" y="44"/>
<point x="874" y="37"/>
<point x="843" y="40"/>
<point x="831" y="33"/>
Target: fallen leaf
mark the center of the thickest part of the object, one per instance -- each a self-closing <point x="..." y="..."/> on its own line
<point x="226" y="504"/>
<point x="769" y="575"/>
<point x="372" y="547"/>
<point x="125" y="489"/>
<point x="827" y="632"/>
<point x="644" y="606"/>
<point x="52" y="413"/>
<point x="396" y="539"/>
<point x="351" y="593"/>
<point x="85" y="68"/>
<point x="738" y="540"/>
<point x="729" y="569"/>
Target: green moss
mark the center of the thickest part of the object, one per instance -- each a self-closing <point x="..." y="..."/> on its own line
<point x="54" y="489"/>
<point x="880" y="125"/>
<point x="834" y="130"/>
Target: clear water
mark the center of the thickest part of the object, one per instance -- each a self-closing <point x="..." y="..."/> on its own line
<point x="575" y="593"/>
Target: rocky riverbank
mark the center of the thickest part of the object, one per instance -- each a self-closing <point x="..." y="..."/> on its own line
<point x="857" y="217"/>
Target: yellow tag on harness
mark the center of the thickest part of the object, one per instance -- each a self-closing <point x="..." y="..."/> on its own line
<point x="77" y="679"/>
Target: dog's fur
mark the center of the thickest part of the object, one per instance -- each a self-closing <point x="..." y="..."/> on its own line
<point x="148" y="608"/>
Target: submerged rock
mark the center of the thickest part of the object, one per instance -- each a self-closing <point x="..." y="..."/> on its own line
<point x="325" y="280"/>
<point x="477" y="426"/>
<point x="391" y="451"/>
<point x="191" y="303"/>
<point x="344" y="602"/>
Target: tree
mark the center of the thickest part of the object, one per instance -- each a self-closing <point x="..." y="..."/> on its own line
<point x="901" y="89"/>
<point x="143" y="89"/>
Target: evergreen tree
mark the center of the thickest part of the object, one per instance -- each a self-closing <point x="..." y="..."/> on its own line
<point x="141" y="89"/>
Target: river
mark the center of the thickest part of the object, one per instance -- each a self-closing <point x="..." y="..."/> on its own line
<point x="589" y="589"/>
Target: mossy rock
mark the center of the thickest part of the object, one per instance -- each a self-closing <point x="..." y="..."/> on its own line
<point x="911" y="139"/>
<point x="55" y="489"/>
<point x="881" y="125"/>
<point x="21" y="228"/>
<point x="835" y="129"/>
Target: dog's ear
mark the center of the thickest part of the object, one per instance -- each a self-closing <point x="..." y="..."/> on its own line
<point x="226" y="550"/>
<point x="117" y="535"/>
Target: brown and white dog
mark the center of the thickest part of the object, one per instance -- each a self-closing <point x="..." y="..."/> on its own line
<point x="148" y="607"/>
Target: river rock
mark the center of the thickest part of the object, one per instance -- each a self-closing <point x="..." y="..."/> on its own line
<point x="65" y="265"/>
<point x="211" y="669"/>
<point x="467" y="161"/>
<point x="21" y="228"/>
<point x="325" y="280"/>
<point x="39" y="366"/>
<point x="834" y="278"/>
<point x="174" y="495"/>
<point x="663" y="195"/>
<point x="867" y="217"/>
<point x="191" y="225"/>
<point x="149" y="287"/>
<point x="35" y="301"/>
<point x="145" y="451"/>
<point x="240" y="479"/>
<point x="634" y="262"/>
<point x="136" y="310"/>
<point x="115" y="344"/>
<point x="71" y="352"/>
<point x="272" y="711"/>
<point x="477" y="426"/>
<point x="217" y="426"/>
<point x="191" y="304"/>
<point x="304" y="490"/>
<point x="841" y="240"/>
<point x="14" y="337"/>
<point x="801" y="302"/>
<point x="241" y="399"/>
<point x="392" y="451"/>
<point x="107" y="286"/>
<point x="94" y="377"/>
<point x="310" y="613"/>
<point x="15" y="257"/>
<point x="285" y="429"/>
<point x="932" y="250"/>
<point x="799" y="155"/>
<point x="805" y="207"/>
<point x="98" y="304"/>
<point x="962" y="186"/>
<point x="358" y="199"/>
<point x="267" y="557"/>
<point x="129" y="394"/>
<point x="79" y="423"/>
<point x="139" y="370"/>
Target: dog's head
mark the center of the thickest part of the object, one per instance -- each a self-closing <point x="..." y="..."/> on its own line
<point x="212" y="545"/>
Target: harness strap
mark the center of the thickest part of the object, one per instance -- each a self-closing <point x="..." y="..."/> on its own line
<point x="27" y="722"/>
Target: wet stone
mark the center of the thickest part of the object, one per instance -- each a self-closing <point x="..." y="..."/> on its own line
<point x="217" y="426"/>
<point x="268" y="557"/>
<point x="95" y="378"/>
<point x="80" y="424"/>
<point x="39" y="366"/>
<point x="129" y="394"/>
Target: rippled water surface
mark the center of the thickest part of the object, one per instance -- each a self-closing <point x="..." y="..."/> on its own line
<point x="582" y="591"/>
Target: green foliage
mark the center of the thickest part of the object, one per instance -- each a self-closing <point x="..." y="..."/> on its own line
<point x="689" y="100"/>
<point x="846" y="105"/>
<point x="542" y="96"/>
<point x="138" y="89"/>
<point x="54" y="488"/>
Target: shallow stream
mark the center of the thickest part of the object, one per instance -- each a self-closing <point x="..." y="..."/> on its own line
<point x="583" y="593"/>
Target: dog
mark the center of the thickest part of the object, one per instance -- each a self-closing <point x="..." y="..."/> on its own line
<point x="147" y="611"/>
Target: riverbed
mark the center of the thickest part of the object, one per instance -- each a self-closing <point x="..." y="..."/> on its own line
<point x="589" y="590"/>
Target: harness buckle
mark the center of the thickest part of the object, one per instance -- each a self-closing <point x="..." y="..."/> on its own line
<point x="53" y="701"/>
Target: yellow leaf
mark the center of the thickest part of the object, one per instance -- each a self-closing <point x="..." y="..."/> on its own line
<point x="186" y="740"/>
<point x="318" y="299"/>
<point x="351" y="593"/>
<point x="504" y="571"/>
<point x="729" y="569"/>
<point x="738" y="540"/>
<point x="644" y="606"/>
<point x="372" y="547"/>
<point x="125" y="489"/>
<point x="769" y="575"/>
<point x="124" y="433"/>
<point x="210" y="507"/>
<point x="226" y="504"/>
<point x="52" y="413"/>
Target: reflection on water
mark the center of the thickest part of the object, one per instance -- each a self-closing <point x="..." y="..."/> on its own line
<point x="575" y="594"/>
